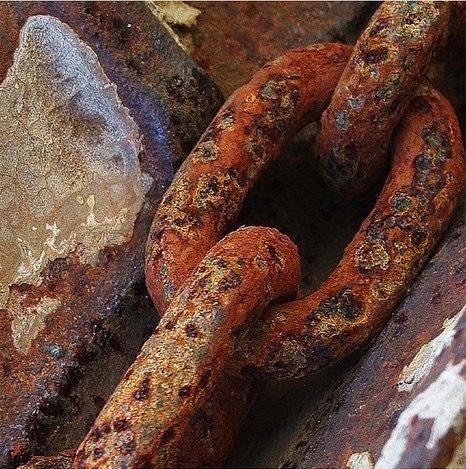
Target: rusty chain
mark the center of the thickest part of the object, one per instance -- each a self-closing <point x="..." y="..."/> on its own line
<point x="213" y="293"/>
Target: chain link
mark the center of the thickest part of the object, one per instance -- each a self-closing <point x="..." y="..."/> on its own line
<point x="212" y="293"/>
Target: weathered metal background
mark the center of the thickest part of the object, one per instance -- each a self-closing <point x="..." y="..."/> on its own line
<point x="50" y="395"/>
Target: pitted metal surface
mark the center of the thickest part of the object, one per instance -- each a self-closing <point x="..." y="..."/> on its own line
<point x="60" y="329"/>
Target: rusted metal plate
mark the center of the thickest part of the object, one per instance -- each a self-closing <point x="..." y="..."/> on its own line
<point x="61" y="360"/>
<point x="231" y="40"/>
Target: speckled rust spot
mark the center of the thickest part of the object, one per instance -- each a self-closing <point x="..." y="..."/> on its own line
<point x="343" y="303"/>
<point x="105" y="427"/>
<point x="98" y="453"/>
<point x="120" y="425"/>
<point x="191" y="330"/>
<point x="372" y="256"/>
<point x="168" y="435"/>
<point x="184" y="391"/>
<point x="400" y="202"/>
<point x="419" y="236"/>
<point x="372" y="56"/>
<point x="143" y="390"/>
<point x="205" y="378"/>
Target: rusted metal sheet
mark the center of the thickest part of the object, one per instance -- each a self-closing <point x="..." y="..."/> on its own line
<point x="60" y="367"/>
<point x="363" y="420"/>
<point x="253" y="33"/>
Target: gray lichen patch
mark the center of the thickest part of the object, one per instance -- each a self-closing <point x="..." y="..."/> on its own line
<point x="70" y="177"/>
<point x="28" y="321"/>
<point x="363" y="460"/>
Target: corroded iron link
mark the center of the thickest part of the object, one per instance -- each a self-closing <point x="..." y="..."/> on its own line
<point x="384" y="70"/>
<point x="178" y="366"/>
<point x="381" y="262"/>
<point x="248" y="132"/>
<point x="214" y="293"/>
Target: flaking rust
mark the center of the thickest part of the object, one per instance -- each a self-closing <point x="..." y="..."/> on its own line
<point x="431" y="429"/>
<point x="89" y="120"/>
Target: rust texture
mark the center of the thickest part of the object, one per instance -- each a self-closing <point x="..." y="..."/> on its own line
<point x="401" y="249"/>
<point x="59" y="461"/>
<point x="248" y="132"/>
<point x="251" y="34"/>
<point x="421" y="338"/>
<point x="254" y="33"/>
<point x="391" y="247"/>
<point x="149" y="69"/>
<point x="145" y="419"/>
<point x="219" y="419"/>
<point x="387" y="65"/>
<point x="243" y="57"/>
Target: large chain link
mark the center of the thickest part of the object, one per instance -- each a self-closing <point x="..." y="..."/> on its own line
<point x="212" y="292"/>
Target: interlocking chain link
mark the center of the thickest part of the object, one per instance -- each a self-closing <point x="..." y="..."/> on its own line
<point x="212" y="292"/>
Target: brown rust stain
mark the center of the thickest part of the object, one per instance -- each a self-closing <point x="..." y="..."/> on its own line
<point x="253" y="33"/>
